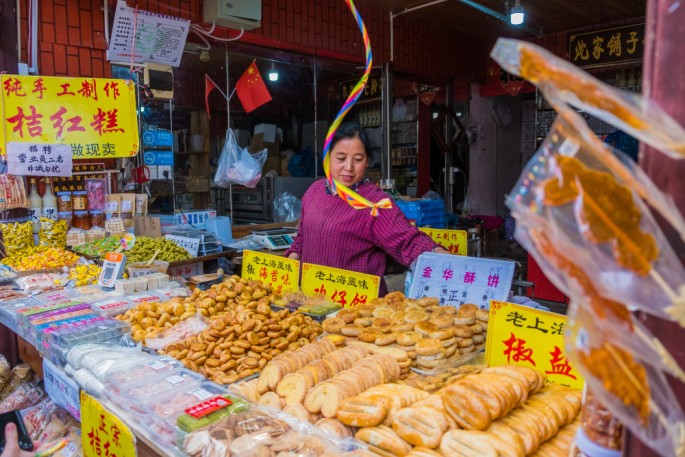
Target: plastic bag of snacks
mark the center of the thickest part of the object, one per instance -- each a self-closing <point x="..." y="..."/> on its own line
<point x="115" y="225"/>
<point x="96" y="188"/>
<point x="52" y="233"/>
<point x="16" y="235"/>
<point x="13" y="193"/>
<point x="76" y="237"/>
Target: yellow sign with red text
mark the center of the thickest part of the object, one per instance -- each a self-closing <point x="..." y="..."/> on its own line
<point x="347" y="288"/>
<point x="102" y="433"/>
<point x="455" y="241"/>
<point x="280" y="273"/>
<point x="95" y="116"/>
<point x="533" y="338"/>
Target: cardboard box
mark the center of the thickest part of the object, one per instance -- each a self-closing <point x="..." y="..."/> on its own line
<point x="268" y="131"/>
<point x="272" y="163"/>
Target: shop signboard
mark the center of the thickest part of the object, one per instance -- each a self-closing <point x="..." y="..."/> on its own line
<point x="608" y="46"/>
<point x="30" y="159"/>
<point x="530" y="337"/>
<point x="281" y="273"/>
<point x="76" y="182"/>
<point x="455" y="241"/>
<point x="102" y="433"/>
<point x="372" y="90"/>
<point x="61" y="388"/>
<point x="95" y="116"/>
<point x="457" y="280"/>
<point x="347" y="288"/>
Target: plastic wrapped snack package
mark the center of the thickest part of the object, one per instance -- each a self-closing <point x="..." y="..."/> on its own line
<point x="634" y="114"/>
<point x="557" y="92"/>
<point x="637" y="393"/>
<point x="17" y="235"/>
<point x="614" y="238"/>
<point x="52" y="233"/>
<point x="179" y="332"/>
<point x="614" y="318"/>
<point x="257" y="432"/>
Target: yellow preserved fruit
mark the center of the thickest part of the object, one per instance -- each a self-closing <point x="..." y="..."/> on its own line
<point x="145" y="247"/>
<point x="52" y="233"/>
<point x="85" y="275"/>
<point x="16" y="236"/>
<point x="42" y="259"/>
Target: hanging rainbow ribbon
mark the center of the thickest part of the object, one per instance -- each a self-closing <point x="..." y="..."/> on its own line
<point x="353" y="198"/>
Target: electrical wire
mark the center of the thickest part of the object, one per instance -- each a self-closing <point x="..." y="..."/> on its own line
<point x="203" y="34"/>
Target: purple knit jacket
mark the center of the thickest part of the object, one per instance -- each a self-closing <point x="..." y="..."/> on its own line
<point x="333" y="233"/>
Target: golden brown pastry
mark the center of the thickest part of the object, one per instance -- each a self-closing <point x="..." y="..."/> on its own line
<point x="363" y="410"/>
<point x="384" y="439"/>
<point x="420" y="425"/>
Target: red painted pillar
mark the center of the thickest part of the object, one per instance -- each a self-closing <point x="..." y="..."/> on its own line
<point x="664" y="83"/>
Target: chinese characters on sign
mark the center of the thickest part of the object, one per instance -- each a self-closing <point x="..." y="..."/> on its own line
<point x="453" y="240"/>
<point x="30" y="159"/>
<point x="75" y="183"/>
<point x="192" y="245"/>
<point x="102" y="433"/>
<point x="607" y="47"/>
<point x="158" y="38"/>
<point x="61" y="388"/>
<point x="280" y="273"/>
<point x="525" y="336"/>
<point x="457" y="280"/>
<point x="373" y="88"/>
<point x="96" y="117"/>
<point x="186" y="271"/>
<point x="347" y="288"/>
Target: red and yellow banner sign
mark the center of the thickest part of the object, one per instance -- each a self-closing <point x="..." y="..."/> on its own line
<point x="347" y="288"/>
<point x="455" y="241"/>
<point x="526" y="336"/>
<point x="280" y="273"/>
<point x="102" y="433"/>
<point x="95" y="116"/>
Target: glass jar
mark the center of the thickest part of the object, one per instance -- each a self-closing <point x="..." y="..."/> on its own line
<point x="64" y="202"/>
<point x="80" y="200"/>
<point x="65" y="216"/>
<point x="97" y="219"/>
<point x="81" y="220"/>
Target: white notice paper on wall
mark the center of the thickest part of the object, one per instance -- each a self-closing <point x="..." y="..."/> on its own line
<point x="32" y="159"/>
<point x="158" y="38"/>
<point x="457" y="279"/>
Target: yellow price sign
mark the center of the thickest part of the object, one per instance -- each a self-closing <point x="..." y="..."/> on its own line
<point x="455" y="241"/>
<point x="530" y="337"/>
<point x="281" y="273"/>
<point x="95" y="116"/>
<point x="347" y="288"/>
<point x="102" y="433"/>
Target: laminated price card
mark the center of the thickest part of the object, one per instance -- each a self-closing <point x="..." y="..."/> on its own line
<point x="281" y="273"/>
<point x="455" y="241"/>
<point x="530" y="337"/>
<point x="347" y="288"/>
<point x="102" y="433"/>
<point x="192" y="245"/>
<point x="457" y="280"/>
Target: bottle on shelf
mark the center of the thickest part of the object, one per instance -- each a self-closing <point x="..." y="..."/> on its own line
<point x="36" y="210"/>
<point x="49" y="201"/>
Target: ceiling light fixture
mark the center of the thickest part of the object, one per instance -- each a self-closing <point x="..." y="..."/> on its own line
<point x="273" y="73"/>
<point x="517" y="14"/>
<point x="204" y="56"/>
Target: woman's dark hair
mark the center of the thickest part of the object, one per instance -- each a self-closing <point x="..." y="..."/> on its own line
<point x="352" y="130"/>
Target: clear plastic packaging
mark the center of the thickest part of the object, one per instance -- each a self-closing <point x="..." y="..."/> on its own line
<point x="96" y="189"/>
<point x="179" y="332"/>
<point x="149" y="387"/>
<point x="23" y="396"/>
<point x="14" y="193"/>
<point x="237" y="165"/>
<point x="16" y="235"/>
<point x="53" y="232"/>
<point x="112" y="306"/>
<point x="148" y="367"/>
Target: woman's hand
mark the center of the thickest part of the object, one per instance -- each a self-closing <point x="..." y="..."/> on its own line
<point x="441" y="250"/>
<point x="12" y="448"/>
<point x="293" y="255"/>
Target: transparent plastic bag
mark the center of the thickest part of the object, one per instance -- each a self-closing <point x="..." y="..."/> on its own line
<point x="634" y="114"/>
<point x="237" y="165"/>
<point x="52" y="233"/>
<point x="16" y="235"/>
<point x="179" y="332"/>
<point x="584" y="207"/>
<point x="287" y="208"/>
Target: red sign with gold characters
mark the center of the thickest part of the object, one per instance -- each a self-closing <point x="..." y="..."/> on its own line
<point x="526" y="336"/>
<point x="95" y="116"/>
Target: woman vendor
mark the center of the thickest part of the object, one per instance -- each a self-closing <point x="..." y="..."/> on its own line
<point x="333" y="233"/>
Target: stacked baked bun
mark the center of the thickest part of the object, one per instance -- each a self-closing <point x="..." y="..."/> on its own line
<point x="501" y="411"/>
<point x="428" y="333"/>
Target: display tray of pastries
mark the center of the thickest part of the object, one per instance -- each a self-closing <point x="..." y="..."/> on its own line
<point x="430" y="334"/>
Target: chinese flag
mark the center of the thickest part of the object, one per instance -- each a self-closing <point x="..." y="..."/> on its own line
<point x="209" y="87"/>
<point x="251" y="89"/>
